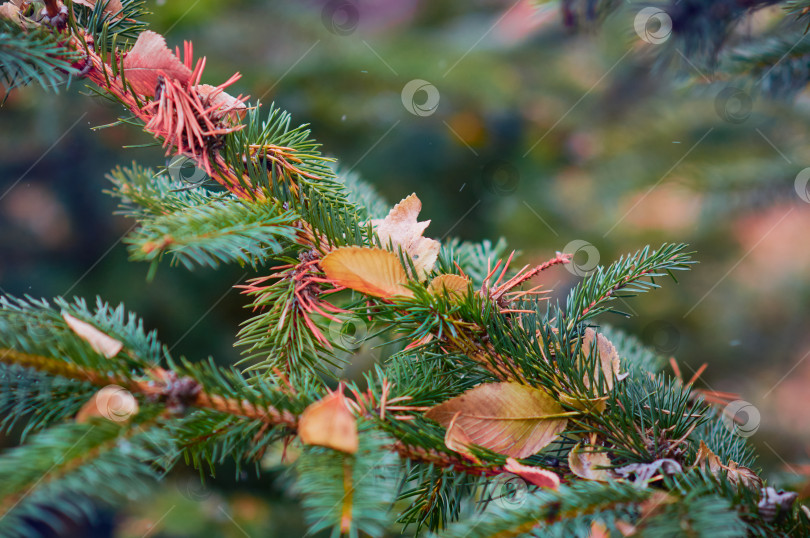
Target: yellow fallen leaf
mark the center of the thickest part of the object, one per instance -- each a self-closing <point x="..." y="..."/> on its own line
<point x="401" y="229"/>
<point x="372" y="271"/>
<point x="329" y="422"/>
<point x="586" y="464"/>
<point x="508" y="418"/>
<point x="100" y="342"/>
<point x="454" y="286"/>
<point x="113" y="403"/>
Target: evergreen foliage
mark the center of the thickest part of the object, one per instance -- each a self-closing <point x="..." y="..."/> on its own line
<point x="665" y="462"/>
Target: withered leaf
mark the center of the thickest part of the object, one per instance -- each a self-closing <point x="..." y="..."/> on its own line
<point x="112" y="402"/>
<point x="625" y="528"/>
<point x="508" y="418"/>
<point x="737" y="475"/>
<point x="112" y="7"/>
<point x="647" y="471"/>
<point x="608" y="358"/>
<point x="588" y="464"/>
<point x="533" y="475"/>
<point x="401" y="229"/>
<point x="599" y="530"/>
<point x="774" y="502"/>
<point x="226" y="105"/>
<point x="329" y="422"/>
<point x="587" y="405"/>
<point x="372" y="271"/>
<point x="100" y="342"/>
<point x="455" y="439"/>
<point x="8" y="10"/>
<point x="454" y="286"/>
<point x="149" y="59"/>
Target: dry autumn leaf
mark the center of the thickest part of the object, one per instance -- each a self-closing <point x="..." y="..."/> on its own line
<point x="589" y="465"/>
<point x="226" y="105"/>
<point x="100" y="342"/>
<point x="113" y="403"/>
<point x="599" y="530"/>
<point x="9" y="10"/>
<point x="401" y="229"/>
<point x="372" y="271"/>
<point x="533" y="475"/>
<point x="508" y="418"/>
<point x="654" y="470"/>
<point x="608" y="358"/>
<point x="586" y="405"/>
<point x="112" y="6"/>
<point x="455" y="439"/>
<point x="329" y="423"/>
<point x="736" y="474"/>
<point x="149" y="59"/>
<point x="454" y="286"/>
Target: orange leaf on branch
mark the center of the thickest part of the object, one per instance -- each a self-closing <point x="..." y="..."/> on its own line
<point x="329" y="422"/>
<point x="454" y="286"/>
<point x="101" y="343"/>
<point x="508" y="418"/>
<point x="372" y="271"/>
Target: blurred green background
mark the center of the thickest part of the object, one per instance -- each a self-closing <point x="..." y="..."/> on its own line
<point x="542" y="135"/>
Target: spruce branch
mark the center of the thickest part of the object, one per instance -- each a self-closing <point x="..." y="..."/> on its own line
<point x="465" y="326"/>
<point x="631" y="275"/>
<point x="218" y="232"/>
<point x="34" y="55"/>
